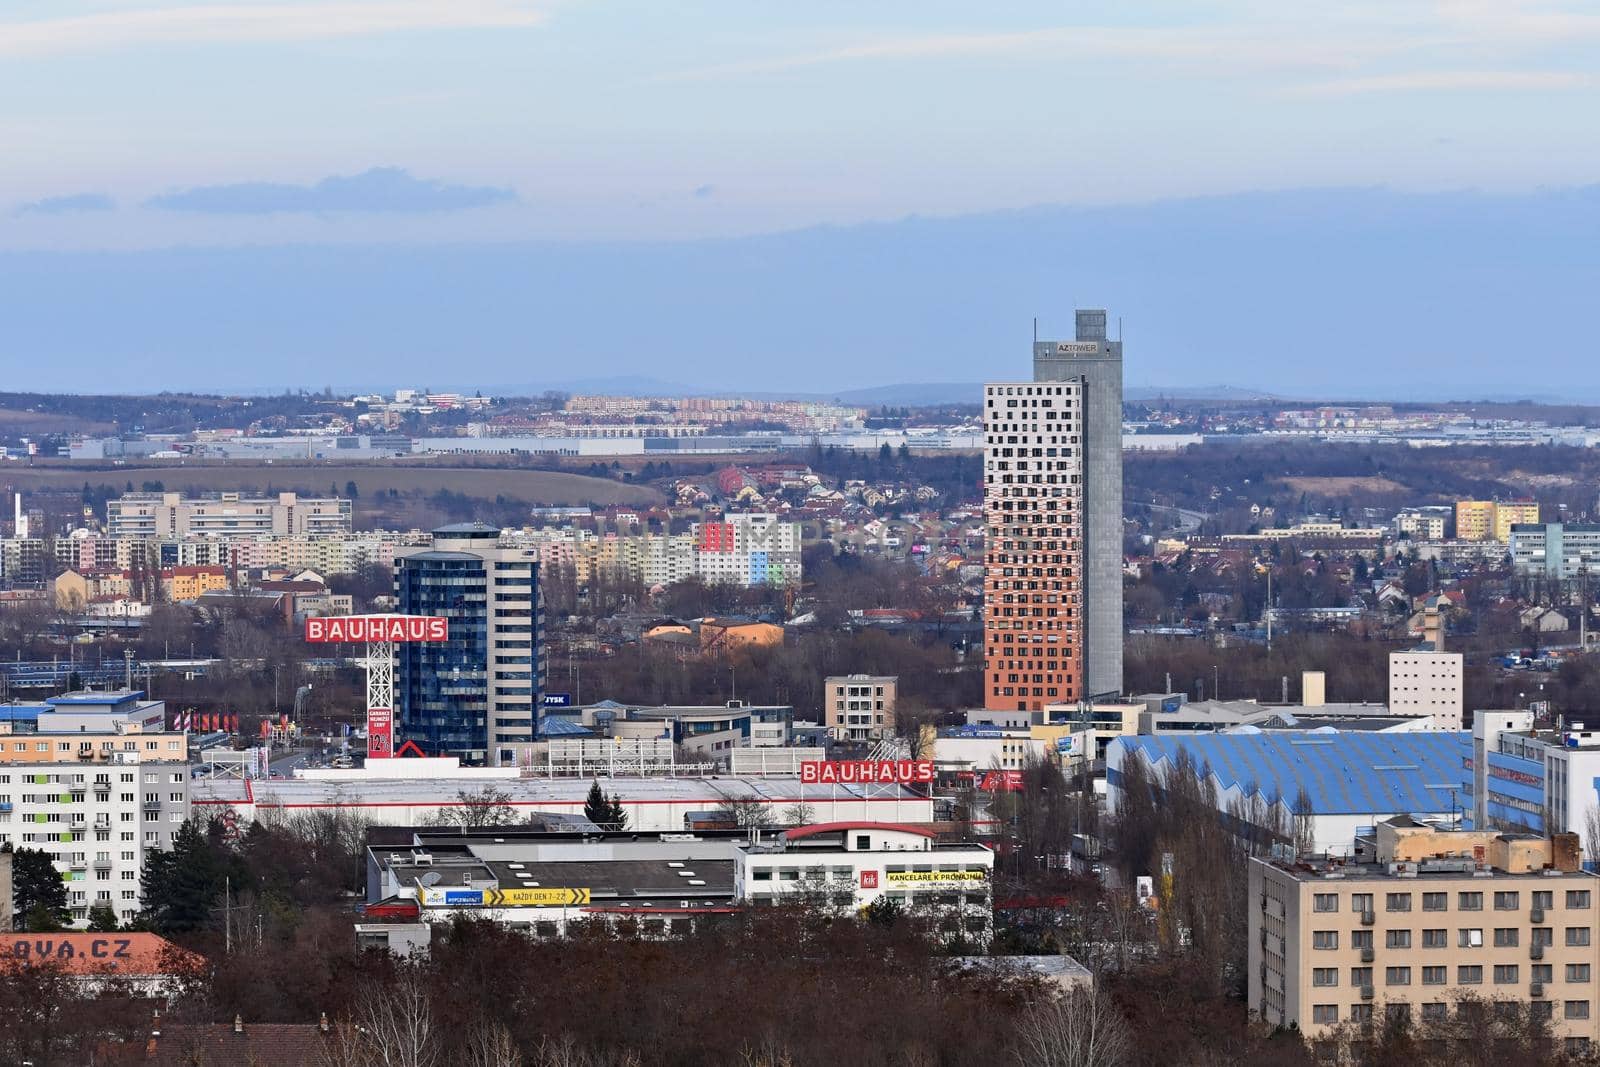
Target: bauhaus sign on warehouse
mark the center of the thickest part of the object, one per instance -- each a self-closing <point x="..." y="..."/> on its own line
<point x="840" y="772"/>
<point x="377" y="628"/>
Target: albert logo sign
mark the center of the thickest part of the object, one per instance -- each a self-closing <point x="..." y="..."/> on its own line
<point x="867" y="772"/>
<point x="362" y="628"/>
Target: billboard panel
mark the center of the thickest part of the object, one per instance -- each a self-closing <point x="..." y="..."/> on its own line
<point x="380" y="733"/>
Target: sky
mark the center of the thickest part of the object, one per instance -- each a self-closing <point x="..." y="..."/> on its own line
<point x="282" y="140"/>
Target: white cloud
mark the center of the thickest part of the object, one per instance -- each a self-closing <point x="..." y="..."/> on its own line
<point x="1448" y="81"/>
<point x="1215" y="49"/>
<point x="271" y="22"/>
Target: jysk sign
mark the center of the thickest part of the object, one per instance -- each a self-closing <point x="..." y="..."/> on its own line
<point x="360" y="628"/>
<point x="556" y="700"/>
<point x="845" y="772"/>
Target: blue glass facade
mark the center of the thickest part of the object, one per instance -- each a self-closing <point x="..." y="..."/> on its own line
<point x="441" y="690"/>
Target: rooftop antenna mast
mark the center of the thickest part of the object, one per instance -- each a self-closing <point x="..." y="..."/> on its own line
<point x="1036" y="329"/>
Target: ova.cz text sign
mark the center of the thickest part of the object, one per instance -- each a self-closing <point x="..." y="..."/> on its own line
<point x="356" y="629"/>
<point x="888" y="771"/>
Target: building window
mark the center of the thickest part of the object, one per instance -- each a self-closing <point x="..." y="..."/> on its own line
<point x="1397" y="939"/>
<point x="1325" y="976"/>
<point x="1397" y="976"/>
<point x="1435" y="975"/>
<point x="1577" y="935"/>
<point x="1469" y="974"/>
<point x="1469" y="901"/>
<point x="1470" y="939"/>
<point x="1361" y="939"/>
<point x="1325" y="939"/>
<point x="1577" y="898"/>
<point x="1325" y="1014"/>
<point x="1361" y="902"/>
<point x="1435" y="939"/>
<point x="1435" y="1011"/>
<point x="1506" y="900"/>
<point x="1435" y="901"/>
<point x="1576" y="1009"/>
<point x="1397" y="902"/>
<point x="1577" y="972"/>
<point x="1505" y="937"/>
<point x="1325" y="902"/>
<point x="1360" y="976"/>
<point x="1505" y="973"/>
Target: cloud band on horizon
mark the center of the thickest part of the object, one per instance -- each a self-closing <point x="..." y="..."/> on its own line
<point x="380" y="189"/>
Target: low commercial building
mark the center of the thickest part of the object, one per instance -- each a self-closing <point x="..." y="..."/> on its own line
<point x="542" y="881"/>
<point x="968" y="749"/>
<point x="855" y="864"/>
<point x="1545" y="781"/>
<point x="416" y="791"/>
<point x="143" y="965"/>
<point x="1337" y="784"/>
<point x="1419" y="921"/>
<point x="710" y="731"/>
<point x="860" y="707"/>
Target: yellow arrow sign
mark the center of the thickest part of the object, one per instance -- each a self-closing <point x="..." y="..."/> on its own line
<point x="548" y="897"/>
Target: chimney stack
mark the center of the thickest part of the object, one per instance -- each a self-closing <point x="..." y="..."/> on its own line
<point x="322" y="1023"/>
<point x="238" y="1024"/>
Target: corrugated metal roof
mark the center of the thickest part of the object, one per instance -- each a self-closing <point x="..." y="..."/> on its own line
<point x="1343" y="773"/>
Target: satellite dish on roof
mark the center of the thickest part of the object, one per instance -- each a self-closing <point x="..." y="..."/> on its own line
<point x="431" y="878"/>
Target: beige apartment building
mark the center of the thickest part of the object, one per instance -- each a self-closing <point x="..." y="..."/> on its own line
<point x="1420" y="919"/>
<point x="226" y="514"/>
<point x="859" y="707"/>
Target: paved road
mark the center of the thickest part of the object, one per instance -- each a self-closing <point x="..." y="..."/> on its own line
<point x="1187" y="518"/>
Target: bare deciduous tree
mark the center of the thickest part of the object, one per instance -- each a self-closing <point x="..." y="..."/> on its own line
<point x="392" y="1026"/>
<point x="799" y="813"/>
<point x="487" y="807"/>
<point x="1079" y="1029"/>
<point x="489" y="1044"/>
<point x="745" y="813"/>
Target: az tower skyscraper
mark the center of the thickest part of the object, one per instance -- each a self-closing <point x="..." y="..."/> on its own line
<point x="1052" y="494"/>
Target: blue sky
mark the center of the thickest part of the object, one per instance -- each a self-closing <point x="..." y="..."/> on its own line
<point x="134" y="125"/>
